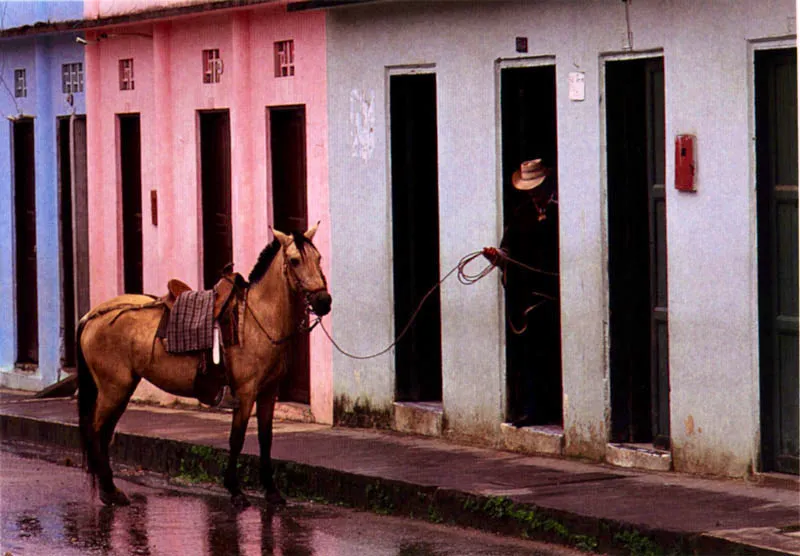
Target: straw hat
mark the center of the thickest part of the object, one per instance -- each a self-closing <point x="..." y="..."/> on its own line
<point x="530" y="175"/>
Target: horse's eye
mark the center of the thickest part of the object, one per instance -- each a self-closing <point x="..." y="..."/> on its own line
<point x="295" y="262"/>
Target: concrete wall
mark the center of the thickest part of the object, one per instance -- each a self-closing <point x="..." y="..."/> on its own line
<point x="711" y="234"/>
<point x="168" y="93"/>
<point x="42" y="58"/>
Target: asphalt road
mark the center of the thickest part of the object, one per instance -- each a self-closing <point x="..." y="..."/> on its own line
<point x="48" y="509"/>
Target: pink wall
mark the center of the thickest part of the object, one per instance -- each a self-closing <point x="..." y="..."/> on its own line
<point x="168" y="92"/>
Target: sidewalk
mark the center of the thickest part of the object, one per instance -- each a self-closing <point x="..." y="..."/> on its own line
<point x="591" y="506"/>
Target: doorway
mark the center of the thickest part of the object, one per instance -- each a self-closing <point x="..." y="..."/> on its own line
<point x="25" y="231"/>
<point x="637" y="252"/>
<point x="533" y="358"/>
<point x="73" y="229"/>
<point x="776" y="192"/>
<point x="130" y="167"/>
<point x="287" y="132"/>
<point x="215" y="184"/>
<point x="415" y="236"/>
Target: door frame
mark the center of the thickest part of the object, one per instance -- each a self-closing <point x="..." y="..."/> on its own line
<point x="299" y="349"/>
<point x="757" y="45"/>
<point x="605" y="246"/>
<point x="405" y="70"/>
<point x="501" y="64"/>
<point x="201" y="247"/>
<point x="28" y="367"/>
<point x="121" y="259"/>
<point x="268" y="136"/>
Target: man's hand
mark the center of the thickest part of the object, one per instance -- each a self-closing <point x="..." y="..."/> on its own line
<point x="495" y="256"/>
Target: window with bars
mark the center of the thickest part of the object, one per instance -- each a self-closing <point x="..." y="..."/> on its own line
<point x="126" y="74"/>
<point x="284" y="59"/>
<point x="212" y="66"/>
<point x="72" y="78"/>
<point x="20" y="83"/>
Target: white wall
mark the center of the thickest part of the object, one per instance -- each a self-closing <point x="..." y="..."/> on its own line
<point x="711" y="233"/>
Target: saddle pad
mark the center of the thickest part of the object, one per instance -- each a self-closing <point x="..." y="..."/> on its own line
<point x="191" y="322"/>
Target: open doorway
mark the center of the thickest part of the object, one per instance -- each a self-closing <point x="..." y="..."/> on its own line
<point x="25" y="235"/>
<point x="287" y="133"/>
<point x="130" y="168"/>
<point x="776" y="187"/>
<point x="215" y="185"/>
<point x="637" y="253"/>
<point x="533" y="357"/>
<point x="415" y="236"/>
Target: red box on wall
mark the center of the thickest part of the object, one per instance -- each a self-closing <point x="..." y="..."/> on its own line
<point x="685" y="163"/>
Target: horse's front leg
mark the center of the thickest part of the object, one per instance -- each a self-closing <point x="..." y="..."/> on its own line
<point x="241" y="416"/>
<point x="266" y="410"/>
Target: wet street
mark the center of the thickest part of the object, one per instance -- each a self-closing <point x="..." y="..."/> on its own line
<point x="48" y="509"/>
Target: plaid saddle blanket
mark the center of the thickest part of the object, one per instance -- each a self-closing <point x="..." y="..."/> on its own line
<point x="191" y="324"/>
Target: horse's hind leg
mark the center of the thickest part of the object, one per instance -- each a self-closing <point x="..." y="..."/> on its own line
<point x="111" y="404"/>
<point x="265" y="413"/>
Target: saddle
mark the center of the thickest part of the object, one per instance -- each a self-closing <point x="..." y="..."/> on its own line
<point x="229" y="292"/>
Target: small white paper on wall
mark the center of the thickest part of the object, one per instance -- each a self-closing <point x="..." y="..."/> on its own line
<point x="577" y="88"/>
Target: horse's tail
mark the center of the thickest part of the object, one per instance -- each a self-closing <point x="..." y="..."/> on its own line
<point x="87" y="399"/>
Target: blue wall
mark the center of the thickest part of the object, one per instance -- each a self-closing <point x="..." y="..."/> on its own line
<point x="42" y="57"/>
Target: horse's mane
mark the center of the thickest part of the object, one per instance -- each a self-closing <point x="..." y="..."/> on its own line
<point x="268" y="255"/>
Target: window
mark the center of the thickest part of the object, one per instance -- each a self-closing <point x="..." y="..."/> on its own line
<point x="126" y="74"/>
<point x="212" y="66"/>
<point x="20" y="84"/>
<point x="284" y="59"/>
<point x="72" y="78"/>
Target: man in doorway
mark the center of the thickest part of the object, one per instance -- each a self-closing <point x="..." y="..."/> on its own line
<point x="532" y="296"/>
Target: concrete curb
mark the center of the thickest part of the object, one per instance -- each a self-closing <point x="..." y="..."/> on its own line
<point x="440" y="505"/>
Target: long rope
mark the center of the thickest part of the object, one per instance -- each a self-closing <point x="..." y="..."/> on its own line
<point x="493" y="255"/>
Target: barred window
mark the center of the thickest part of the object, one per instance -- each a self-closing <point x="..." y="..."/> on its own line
<point x="284" y="59"/>
<point x="20" y="83"/>
<point x="72" y="78"/>
<point x="212" y="66"/>
<point x="126" y="74"/>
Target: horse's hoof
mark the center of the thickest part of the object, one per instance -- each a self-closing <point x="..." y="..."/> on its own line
<point x="240" y="501"/>
<point x="275" y="499"/>
<point x="114" y="498"/>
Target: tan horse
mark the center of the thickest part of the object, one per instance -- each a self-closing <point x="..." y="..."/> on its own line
<point x="117" y="347"/>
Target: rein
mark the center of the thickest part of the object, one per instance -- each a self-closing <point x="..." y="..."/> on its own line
<point x="494" y="256"/>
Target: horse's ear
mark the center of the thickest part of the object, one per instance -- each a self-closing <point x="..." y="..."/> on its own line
<point x="311" y="231"/>
<point x="284" y="239"/>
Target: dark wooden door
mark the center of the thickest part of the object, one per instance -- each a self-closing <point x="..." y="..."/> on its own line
<point x="73" y="217"/>
<point x="25" y="229"/>
<point x="215" y="179"/>
<point x="80" y="215"/>
<point x="130" y="165"/>
<point x="67" y="251"/>
<point x="637" y="251"/>
<point x="415" y="235"/>
<point x="533" y="359"/>
<point x="287" y="128"/>
<point x="776" y="183"/>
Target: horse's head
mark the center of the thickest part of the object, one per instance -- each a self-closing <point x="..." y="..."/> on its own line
<point x="302" y="267"/>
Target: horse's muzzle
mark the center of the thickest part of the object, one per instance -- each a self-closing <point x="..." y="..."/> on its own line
<point x="320" y="303"/>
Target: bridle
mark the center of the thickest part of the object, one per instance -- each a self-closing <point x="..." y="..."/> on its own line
<point x="298" y="287"/>
<point x="297" y="284"/>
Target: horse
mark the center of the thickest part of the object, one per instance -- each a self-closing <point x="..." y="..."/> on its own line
<point x="117" y="347"/>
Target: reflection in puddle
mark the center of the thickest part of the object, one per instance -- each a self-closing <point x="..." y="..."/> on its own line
<point x="176" y="523"/>
<point x="170" y="525"/>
